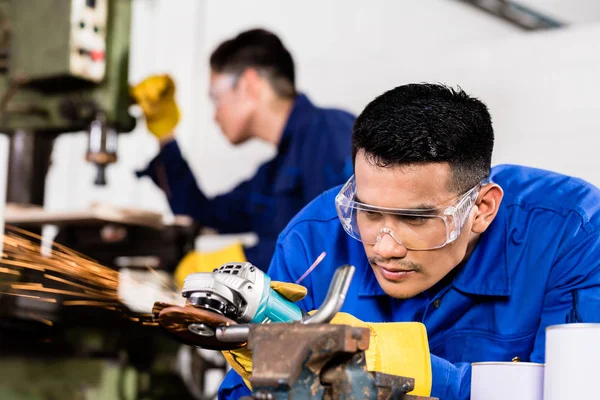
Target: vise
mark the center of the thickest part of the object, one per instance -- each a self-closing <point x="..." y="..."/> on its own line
<point x="318" y="361"/>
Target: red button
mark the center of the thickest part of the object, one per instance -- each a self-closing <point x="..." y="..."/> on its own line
<point x="97" y="55"/>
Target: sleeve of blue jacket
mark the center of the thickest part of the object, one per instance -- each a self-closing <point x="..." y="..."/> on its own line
<point x="172" y="174"/>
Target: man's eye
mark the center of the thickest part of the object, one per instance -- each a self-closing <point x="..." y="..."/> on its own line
<point x="371" y="214"/>
<point x="414" y="219"/>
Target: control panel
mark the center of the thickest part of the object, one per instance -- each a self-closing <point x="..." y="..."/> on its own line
<point x="88" y="39"/>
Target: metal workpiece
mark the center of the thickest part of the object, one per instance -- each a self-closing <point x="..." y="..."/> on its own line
<point x="336" y="295"/>
<point x="233" y="333"/>
<point x="282" y="351"/>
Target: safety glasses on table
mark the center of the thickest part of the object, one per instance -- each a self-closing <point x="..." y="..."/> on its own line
<point x="415" y="229"/>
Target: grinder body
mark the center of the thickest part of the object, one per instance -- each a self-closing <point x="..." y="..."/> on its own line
<point x="241" y="292"/>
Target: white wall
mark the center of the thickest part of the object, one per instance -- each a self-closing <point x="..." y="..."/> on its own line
<point x="540" y="87"/>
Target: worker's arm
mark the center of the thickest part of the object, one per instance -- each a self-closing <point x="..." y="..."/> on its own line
<point x="169" y="170"/>
<point x="573" y="293"/>
<point x="227" y="213"/>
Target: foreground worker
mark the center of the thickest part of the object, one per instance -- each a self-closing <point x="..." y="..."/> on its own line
<point x="252" y="86"/>
<point x="486" y="258"/>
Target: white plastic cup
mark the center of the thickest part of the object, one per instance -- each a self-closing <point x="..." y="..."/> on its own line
<point x="572" y="357"/>
<point x="507" y="380"/>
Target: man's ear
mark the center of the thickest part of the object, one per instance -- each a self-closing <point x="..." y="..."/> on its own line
<point x="488" y="204"/>
<point x="250" y="82"/>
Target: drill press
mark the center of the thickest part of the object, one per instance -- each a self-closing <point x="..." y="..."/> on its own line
<point x="63" y="68"/>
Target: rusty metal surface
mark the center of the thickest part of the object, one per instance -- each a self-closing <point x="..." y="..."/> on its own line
<point x="280" y="350"/>
<point x="390" y="386"/>
<point x="321" y="361"/>
<point x="176" y="321"/>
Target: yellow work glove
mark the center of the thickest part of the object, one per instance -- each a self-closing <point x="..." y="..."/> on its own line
<point x="241" y="359"/>
<point x="395" y="348"/>
<point x="197" y="261"/>
<point x="156" y="97"/>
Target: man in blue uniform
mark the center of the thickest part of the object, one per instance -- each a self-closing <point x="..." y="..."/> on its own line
<point x="486" y="258"/>
<point x="252" y="86"/>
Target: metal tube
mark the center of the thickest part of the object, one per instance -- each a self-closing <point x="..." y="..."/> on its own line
<point x="336" y="295"/>
<point x="233" y="333"/>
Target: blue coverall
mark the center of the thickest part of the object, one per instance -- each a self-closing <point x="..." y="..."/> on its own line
<point x="313" y="156"/>
<point x="538" y="264"/>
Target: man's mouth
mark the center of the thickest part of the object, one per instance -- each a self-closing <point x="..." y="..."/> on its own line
<point x="395" y="274"/>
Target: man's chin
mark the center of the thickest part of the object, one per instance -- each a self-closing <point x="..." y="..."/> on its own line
<point x="399" y="290"/>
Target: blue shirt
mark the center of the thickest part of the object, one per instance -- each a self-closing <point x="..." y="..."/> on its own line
<point x="313" y="155"/>
<point x="537" y="264"/>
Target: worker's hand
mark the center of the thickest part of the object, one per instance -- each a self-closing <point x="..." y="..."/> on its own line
<point x="156" y="97"/>
<point x="396" y="348"/>
<point x="241" y="359"/>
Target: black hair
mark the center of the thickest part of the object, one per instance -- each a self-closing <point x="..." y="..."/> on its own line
<point x="426" y="123"/>
<point x="259" y="49"/>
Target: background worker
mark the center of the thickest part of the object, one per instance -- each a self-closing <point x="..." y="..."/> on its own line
<point x="486" y="258"/>
<point x="252" y="86"/>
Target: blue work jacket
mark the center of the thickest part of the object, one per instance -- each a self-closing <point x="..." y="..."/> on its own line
<point x="314" y="154"/>
<point x="538" y="264"/>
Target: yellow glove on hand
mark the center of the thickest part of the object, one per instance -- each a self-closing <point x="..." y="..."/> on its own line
<point x="396" y="348"/>
<point x="241" y="359"/>
<point x="156" y="97"/>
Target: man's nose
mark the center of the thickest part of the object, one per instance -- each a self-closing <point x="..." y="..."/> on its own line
<point x="388" y="247"/>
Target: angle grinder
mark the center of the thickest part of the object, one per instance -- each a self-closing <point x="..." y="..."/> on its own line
<point x="221" y="303"/>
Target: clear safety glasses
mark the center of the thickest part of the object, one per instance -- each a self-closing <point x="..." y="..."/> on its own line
<point x="222" y="85"/>
<point x="415" y="229"/>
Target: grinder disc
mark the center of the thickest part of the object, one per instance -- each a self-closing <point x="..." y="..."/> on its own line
<point x="177" y="321"/>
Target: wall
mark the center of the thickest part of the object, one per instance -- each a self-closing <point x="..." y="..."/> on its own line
<point x="540" y="87"/>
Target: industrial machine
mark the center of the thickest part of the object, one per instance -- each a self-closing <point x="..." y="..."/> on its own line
<point x="64" y="66"/>
<point x="295" y="355"/>
<point x="64" y="69"/>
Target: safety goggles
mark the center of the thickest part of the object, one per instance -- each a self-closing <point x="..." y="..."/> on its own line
<point x="222" y="85"/>
<point x="415" y="229"/>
